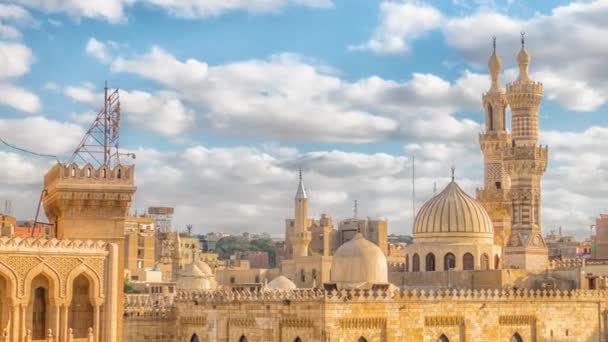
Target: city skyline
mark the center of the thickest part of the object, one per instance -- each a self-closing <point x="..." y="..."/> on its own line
<point x="220" y="128"/>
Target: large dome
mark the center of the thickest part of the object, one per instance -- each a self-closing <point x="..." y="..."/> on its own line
<point x="359" y="261"/>
<point x="453" y="216"/>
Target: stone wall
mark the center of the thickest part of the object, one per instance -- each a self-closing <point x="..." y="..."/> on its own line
<point x="460" y="315"/>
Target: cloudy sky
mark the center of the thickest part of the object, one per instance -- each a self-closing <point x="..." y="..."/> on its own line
<point x="223" y="101"/>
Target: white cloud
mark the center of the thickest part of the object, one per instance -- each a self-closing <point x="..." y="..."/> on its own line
<point x="15" y="13"/>
<point x="162" y="112"/>
<point x="98" y="50"/>
<point x="114" y="11"/>
<point x="400" y="23"/>
<point x="289" y="98"/>
<point x="15" y="60"/>
<point x="19" y="98"/>
<point x="84" y="93"/>
<point x="158" y="65"/>
<point x="52" y="86"/>
<point x="9" y="32"/>
<point x="40" y="134"/>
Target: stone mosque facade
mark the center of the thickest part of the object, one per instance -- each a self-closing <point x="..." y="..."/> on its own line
<point x="477" y="269"/>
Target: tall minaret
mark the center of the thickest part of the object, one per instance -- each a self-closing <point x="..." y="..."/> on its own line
<point x="525" y="162"/>
<point x="300" y="237"/>
<point x="493" y="142"/>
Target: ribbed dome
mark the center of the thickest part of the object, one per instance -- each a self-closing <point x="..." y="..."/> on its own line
<point x="359" y="261"/>
<point x="453" y="216"/>
<point x="281" y="283"/>
<point x="196" y="276"/>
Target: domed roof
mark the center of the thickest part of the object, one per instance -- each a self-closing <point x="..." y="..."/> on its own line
<point x="192" y="270"/>
<point x="453" y="216"/>
<point x="359" y="261"/>
<point x="281" y="283"/>
<point x="203" y="267"/>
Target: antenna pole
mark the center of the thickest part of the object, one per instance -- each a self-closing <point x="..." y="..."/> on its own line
<point x="106" y="125"/>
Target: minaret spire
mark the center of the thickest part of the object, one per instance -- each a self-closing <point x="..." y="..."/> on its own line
<point x="301" y="192"/>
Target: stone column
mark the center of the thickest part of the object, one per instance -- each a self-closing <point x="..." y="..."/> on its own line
<point x="15" y="322"/>
<point x="23" y="316"/>
<point x="63" y="322"/>
<point x="96" y="313"/>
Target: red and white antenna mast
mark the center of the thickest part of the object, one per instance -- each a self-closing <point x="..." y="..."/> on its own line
<point x="99" y="146"/>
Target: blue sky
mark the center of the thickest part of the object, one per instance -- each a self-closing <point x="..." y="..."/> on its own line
<point x="223" y="103"/>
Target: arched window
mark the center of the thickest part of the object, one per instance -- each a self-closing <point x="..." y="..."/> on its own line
<point x="362" y="339"/>
<point x="257" y="279"/>
<point x="104" y="173"/>
<point x="81" y="310"/>
<point x="298" y="339"/>
<point x="443" y="338"/>
<point x="496" y="262"/>
<point x="232" y="280"/>
<point x="74" y="172"/>
<point x="302" y="275"/>
<point x="407" y="263"/>
<point x="314" y="274"/>
<point x="449" y="262"/>
<point x="484" y="263"/>
<point x="39" y="305"/>
<point x="119" y="174"/>
<point x="430" y="262"/>
<point x="194" y="338"/>
<point x="243" y="338"/>
<point x="88" y="172"/>
<point x="468" y="262"/>
<point x="517" y="338"/>
<point x="416" y="263"/>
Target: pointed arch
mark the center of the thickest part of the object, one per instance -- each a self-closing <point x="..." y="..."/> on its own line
<point x="362" y="339"/>
<point x="416" y="263"/>
<point x="443" y="338"/>
<point x="298" y="339"/>
<point x="10" y="279"/>
<point x="496" y="262"/>
<point x="490" y="117"/>
<point x="95" y="295"/>
<point x="49" y="274"/>
<point x="516" y="338"/>
<point x="194" y="338"/>
<point x="243" y="339"/>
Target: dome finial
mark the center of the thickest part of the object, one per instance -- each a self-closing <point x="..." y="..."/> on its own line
<point x="494" y="43"/>
<point x="523" y="39"/>
<point x="523" y="58"/>
<point x="300" y="174"/>
<point x="453" y="169"/>
<point x="494" y="65"/>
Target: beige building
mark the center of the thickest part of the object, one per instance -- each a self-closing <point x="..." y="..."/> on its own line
<point x="375" y="231"/>
<point x="601" y="237"/>
<point x="140" y="243"/>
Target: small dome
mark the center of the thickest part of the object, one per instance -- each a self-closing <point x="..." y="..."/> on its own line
<point x="523" y="57"/>
<point x="359" y="261"/>
<point x="192" y="270"/>
<point x="203" y="267"/>
<point x="453" y="216"/>
<point x="281" y="283"/>
<point x="195" y="278"/>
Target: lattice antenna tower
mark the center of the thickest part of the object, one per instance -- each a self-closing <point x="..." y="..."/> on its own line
<point x="99" y="146"/>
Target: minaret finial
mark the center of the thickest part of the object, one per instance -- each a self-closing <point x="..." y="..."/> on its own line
<point x="523" y="39"/>
<point x="453" y="169"/>
<point x="494" y="43"/>
<point x="300" y="175"/>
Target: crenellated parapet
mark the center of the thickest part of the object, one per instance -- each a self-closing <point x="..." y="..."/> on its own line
<point x="52" y="245"/>
<point x="382" y="295"/>
<point x="148" y="306"/>
<point x="73" y="173"/>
